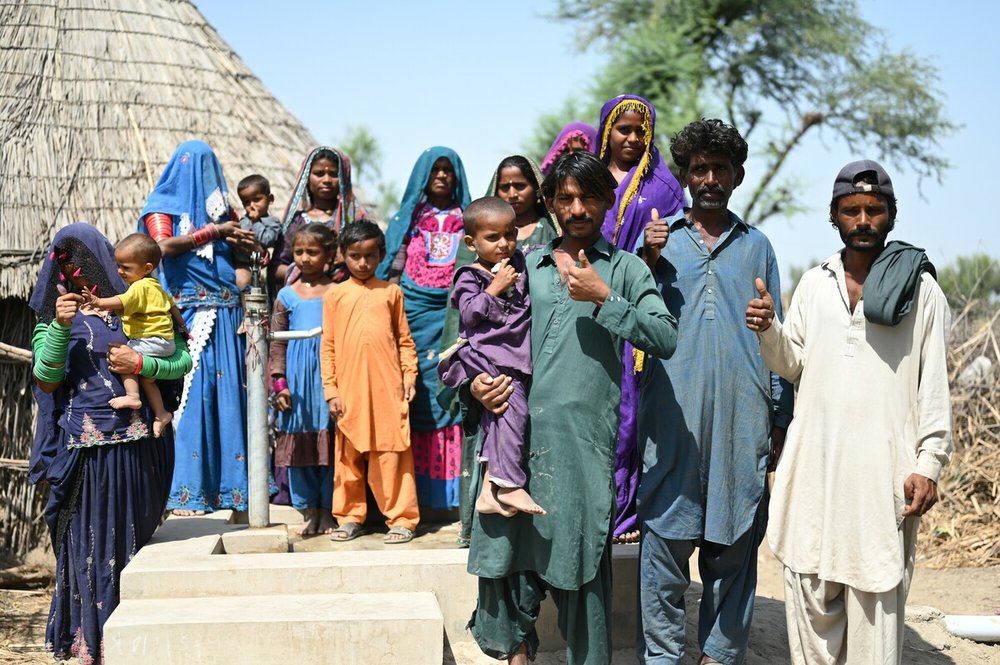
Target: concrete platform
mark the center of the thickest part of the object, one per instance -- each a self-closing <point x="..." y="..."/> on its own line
<point x="186" y="561"/>
<point x="314" y="628"/>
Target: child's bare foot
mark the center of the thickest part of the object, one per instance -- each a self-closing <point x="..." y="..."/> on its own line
<point x="126" y="402"/>
<point x="311" y="525"/>
<point x="486" y="502"/>
<point x="517" y="497"/>
<point x="160" y="422"/>
<point x="326" y="523"/>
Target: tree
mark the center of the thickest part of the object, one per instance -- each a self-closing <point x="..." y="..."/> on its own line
<point x="381" y="197"/>
<point x="971" y="282"/>
<point x="778" y="70"/>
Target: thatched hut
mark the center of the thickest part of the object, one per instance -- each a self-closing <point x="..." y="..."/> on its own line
<point x="95" y="95"/>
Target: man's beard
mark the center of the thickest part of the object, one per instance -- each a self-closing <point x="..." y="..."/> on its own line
<point x="721" y="202"/>
<point x="877" y="246"/>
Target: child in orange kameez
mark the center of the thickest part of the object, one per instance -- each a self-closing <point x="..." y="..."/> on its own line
<point x="369" y="366"/>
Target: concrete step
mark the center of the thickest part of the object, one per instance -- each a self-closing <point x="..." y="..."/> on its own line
<point x="361" y="628"/>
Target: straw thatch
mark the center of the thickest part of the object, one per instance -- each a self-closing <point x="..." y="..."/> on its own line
<point x="964" y="528"/>
<point x="95" y="96"/>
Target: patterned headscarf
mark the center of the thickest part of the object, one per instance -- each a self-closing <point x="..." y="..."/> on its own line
<point x="86" y="248"/>
<point x="648" y="184"/>
<point x="347" y="209"/>
<point x="574" y="130"/>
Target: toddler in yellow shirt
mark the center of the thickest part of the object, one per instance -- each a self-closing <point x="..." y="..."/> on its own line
<point x="148" y="315"/>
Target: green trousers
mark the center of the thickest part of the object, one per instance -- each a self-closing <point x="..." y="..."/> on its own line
<point x="508" y="607"/>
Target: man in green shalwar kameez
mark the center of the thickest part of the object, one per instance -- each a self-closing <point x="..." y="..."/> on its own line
<point x="587" y="299"/>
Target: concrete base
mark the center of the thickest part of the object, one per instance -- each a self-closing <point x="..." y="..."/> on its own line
<point x="314" y="628"/>
<point x="272" y="540"/>
<point x="187" y="563"/>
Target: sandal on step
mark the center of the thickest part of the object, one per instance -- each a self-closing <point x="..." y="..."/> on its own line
<point x="406" y="535"/>
<point x="346" y="531"/>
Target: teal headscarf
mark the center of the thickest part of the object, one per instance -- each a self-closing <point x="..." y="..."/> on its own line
<point x="414" y="194"/>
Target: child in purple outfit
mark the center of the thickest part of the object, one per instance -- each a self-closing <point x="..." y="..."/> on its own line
<point x="491" y="296"/>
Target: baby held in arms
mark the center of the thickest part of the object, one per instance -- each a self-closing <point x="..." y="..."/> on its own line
<point x="494" y="331"/>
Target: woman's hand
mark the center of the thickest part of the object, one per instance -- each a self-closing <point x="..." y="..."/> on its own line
<point x="67" y="305"/>
<point x="239" y="239"/>
<point x="492" y="392"/>
<point x="122" y="359"/>
<point x="284" y="400"/>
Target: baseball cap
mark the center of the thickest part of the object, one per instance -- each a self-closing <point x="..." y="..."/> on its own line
<point x="844" y="184"/>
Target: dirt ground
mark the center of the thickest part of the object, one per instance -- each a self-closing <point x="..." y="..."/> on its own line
<point x="934" y="593"/>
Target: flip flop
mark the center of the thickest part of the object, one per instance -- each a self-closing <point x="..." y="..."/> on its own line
<point x="407" y="535"/>
<point x="346" y="531"/>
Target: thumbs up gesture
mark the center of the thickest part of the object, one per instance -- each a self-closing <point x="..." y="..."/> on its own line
<point x="585" y="284"/>
<point x="654" y="237"/>
<point x="760" y="310"/>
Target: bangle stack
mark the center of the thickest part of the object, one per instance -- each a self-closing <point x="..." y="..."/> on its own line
<point x="204" y="235"/>
<point x="279" y="385"/>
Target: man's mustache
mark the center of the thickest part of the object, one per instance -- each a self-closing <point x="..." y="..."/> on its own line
<point x="862" y="233"/>
<point x="706" y="189"/>
<point x="585" y="218"/>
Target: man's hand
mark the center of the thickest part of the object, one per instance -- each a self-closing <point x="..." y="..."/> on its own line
<point x="122" y="359"/>
<point x="777" y="445"/>
<point x="409" y="391"/>
<point x="920" y="493"/>
<point x="503" y="279"/>
<point x="654" y="238"/>
<point x="760" y="311"/>
<point x="336" y="407"/>
<point x="492" y="392"/>
<point x="66" y="307"/>
<point x="585" y="285"/>
<point x="284" y="400"/>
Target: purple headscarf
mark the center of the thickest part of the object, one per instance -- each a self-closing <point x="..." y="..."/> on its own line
<point x="574" y="130"/>
<point x="648" y="184"/>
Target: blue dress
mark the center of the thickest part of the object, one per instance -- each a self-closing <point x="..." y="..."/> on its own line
<point x="305" y="433"/>
<point x="107" y="484"/>
<point x="210" y="471"/>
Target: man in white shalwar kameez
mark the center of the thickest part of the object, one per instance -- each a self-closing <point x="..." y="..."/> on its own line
<point x="865" y="339"/>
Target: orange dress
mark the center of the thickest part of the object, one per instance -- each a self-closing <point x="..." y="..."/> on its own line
<point x="366" y="355"/>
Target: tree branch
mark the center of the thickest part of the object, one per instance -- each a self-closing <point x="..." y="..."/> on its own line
<point x="809" y="120"/>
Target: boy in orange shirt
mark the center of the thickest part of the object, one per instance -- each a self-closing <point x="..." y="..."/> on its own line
<point x="369" y="366"/>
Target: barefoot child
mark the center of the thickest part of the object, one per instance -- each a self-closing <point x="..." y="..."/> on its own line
<point x="369" y="367"/>
<point x="148" y="318"/>
<point x="255" y="195"/>
<point x="304" y="443"/>
<point x="491" y="296"/>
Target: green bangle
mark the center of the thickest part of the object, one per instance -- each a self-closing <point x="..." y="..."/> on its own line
<point x="50" y="361"/>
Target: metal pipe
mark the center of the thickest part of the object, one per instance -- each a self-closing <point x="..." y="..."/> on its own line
<point x="295" y="334"/>
<point x="257" y="439"/>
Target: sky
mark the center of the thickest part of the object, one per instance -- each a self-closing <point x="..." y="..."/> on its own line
<point x="476" y="76"/>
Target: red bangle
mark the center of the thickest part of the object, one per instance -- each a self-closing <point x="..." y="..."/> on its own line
<point x="279" y="385"/>
<point x="138" y="364"/>
<point x="159" y="226"/>
<point x="205" y="235"/>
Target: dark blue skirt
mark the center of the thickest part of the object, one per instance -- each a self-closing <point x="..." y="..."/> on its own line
<point x="104" y="504"/>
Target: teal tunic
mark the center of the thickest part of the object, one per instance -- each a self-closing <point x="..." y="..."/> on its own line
<point x="573" y="406"/>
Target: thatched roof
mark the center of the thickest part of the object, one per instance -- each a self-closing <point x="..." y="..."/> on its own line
<point x="94" y="97"/>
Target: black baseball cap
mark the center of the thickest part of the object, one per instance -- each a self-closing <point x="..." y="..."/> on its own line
<point x="850" y="174"/>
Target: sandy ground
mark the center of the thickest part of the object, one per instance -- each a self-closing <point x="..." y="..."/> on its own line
<point x="933" y="594"/>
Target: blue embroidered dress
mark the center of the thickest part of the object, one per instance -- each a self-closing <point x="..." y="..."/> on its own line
<point x="107" y="478"/>
<point x="210" y="472"/>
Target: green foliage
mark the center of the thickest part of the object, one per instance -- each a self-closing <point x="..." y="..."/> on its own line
<point x="971" y="281"/>
<point x="779" y="70"/>
<point x="379" y="196"/>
